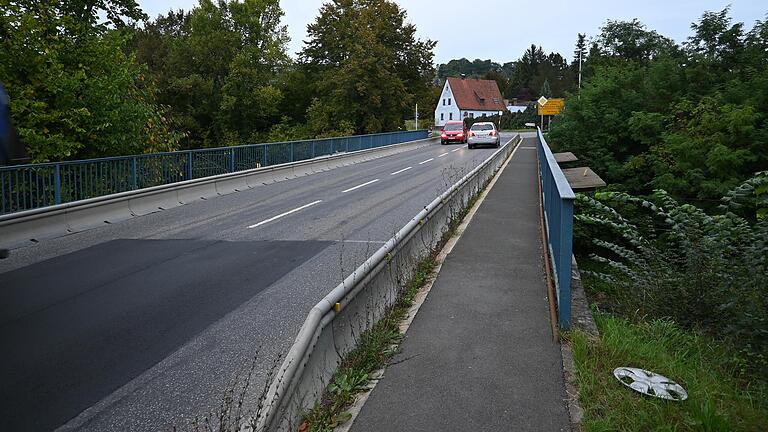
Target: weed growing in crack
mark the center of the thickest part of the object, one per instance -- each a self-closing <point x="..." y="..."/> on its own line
<point x="232" y="414"/>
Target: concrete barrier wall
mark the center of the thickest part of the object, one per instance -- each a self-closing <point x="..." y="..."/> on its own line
<point x="327" y="335"/>
<point x="19" y="229"/>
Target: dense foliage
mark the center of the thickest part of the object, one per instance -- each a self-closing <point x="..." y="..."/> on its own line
<point x="90" y="79"/>
<point x="74" y="92"/>
<point x="680" y="134"/>
<point x="369" y="66"/>
<point x="688" y="119"/>
<point x="664" y="259"/>
<point x="216" y="66"/>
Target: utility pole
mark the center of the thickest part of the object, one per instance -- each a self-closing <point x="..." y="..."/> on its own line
<point x="580" y="52"/>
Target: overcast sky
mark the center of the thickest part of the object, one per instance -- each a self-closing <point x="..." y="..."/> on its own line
<point x="502" y="29"/>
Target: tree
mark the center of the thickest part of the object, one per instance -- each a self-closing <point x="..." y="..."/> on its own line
<point x="74" y="91"/>
<point x="630" y="40"/>
<point x="546" y="91"/>
<point x="535" y="68"/>
<point x="688" y="119"/>
<point x="217" y="67"/>
<point x="370" y="67"/>
<point x="475" y="69"/>
<point x="501" y="80"/>
<point x="580" y="53"/>
<point x="579" y="57"/>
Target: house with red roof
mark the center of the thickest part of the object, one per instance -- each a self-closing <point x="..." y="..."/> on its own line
<point x="468" y="97"/>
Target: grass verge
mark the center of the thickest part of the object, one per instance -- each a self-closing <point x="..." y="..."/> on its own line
<point x="376" y="346"/>
<point x="717" y="399"/>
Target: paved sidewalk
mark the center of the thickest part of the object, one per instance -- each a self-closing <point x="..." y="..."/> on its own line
<point x="479" y="356"/>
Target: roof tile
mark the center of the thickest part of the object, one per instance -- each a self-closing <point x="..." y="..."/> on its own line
<point x="476" y="94"/>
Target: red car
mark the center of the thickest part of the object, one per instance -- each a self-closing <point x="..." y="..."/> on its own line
<point x="453" y="131"/>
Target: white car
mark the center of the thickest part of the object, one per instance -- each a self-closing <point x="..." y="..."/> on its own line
<point x="483" y="133"/>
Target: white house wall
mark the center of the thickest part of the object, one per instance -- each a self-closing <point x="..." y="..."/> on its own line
<point x="448" y="111"/>
<point x="476" y="114"/>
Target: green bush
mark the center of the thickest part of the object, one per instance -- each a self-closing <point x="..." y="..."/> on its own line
<point x="658" y="258"/>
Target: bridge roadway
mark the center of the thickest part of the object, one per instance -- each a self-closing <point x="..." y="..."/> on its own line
<point x="143" y="325"/>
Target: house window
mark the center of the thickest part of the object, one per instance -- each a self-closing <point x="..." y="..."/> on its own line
<point x="443" y="102"/>
<point x="471" y="115"/>
<point x="442" y="116"/>
<point x="450" y="116"/>
<point x="449" y="101"/>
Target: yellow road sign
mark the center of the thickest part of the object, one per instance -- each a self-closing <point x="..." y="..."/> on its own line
<point x="551" y="107"/>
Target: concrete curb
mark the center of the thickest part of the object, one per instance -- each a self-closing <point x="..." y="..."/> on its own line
<point x="26" y="227"/>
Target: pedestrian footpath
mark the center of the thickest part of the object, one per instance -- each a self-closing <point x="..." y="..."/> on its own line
<point x="479" y="355"/>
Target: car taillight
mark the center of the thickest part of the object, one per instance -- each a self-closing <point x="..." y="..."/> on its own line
<point x="493" y="133"/>
<point x="471" y="134"/>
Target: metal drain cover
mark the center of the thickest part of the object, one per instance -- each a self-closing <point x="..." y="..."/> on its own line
<point x="650" y="383"/>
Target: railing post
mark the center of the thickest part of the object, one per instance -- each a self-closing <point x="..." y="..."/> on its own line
<point x="313" y="149"/>
<point x="134" y="178"/>
<point x="292" y="160"/>
<point x="57" y="184"/>
<point x="265" y="155"/>
<point x="189" y="165"/>
<point x="232" y="160"/>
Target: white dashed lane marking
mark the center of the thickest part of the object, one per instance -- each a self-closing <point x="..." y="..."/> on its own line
<point x="274" y="218"/>
<point x="402" y="170"/>
<point x="359" y="186"/>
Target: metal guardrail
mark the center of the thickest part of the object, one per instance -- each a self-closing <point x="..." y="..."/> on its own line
<point x="557" y="197"/>
<point x="26" y="187"/>
<point x="333" y="325"/>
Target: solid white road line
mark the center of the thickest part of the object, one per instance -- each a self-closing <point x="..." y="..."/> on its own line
<point x="444" y="154"/>
<point x="359" y="186"/>
<point x="402" y="170"/>
<point x="286" y="213"/>
<point x="456" y="150"/>
<point x="423" y="162"/>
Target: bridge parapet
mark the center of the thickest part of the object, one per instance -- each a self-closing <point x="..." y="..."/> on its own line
<point x="32" y="186"/>
<point x="557" y="201"/>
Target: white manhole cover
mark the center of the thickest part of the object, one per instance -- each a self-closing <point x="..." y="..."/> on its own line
<point x="650" y="383"/>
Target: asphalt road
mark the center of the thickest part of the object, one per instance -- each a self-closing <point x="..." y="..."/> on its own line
<point x="144" y="324"/>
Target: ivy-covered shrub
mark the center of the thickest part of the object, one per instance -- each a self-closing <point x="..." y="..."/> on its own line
<point x="659" y="258"/>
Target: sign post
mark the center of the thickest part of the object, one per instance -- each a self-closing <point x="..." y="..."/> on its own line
<point x="549" y="107"/>
<point x="542" y="102"/>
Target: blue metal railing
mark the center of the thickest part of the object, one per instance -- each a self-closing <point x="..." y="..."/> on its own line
<point x="557" y="197"/>
<point x="25" y="187"/>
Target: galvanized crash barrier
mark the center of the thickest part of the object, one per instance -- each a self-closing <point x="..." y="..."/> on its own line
<point x="334" y="325"/>
<point x="557" y="198"/>
<point x="25" y="187"/>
